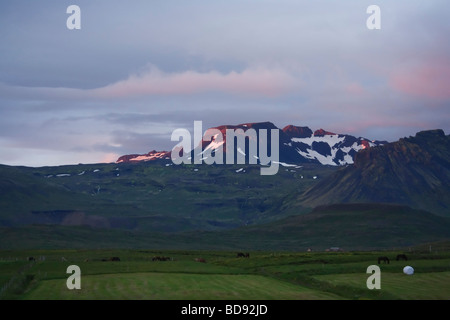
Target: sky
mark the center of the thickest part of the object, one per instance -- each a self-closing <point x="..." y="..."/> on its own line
<point x="137" y="70"/>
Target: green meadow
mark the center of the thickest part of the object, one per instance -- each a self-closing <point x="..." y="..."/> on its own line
<point x="263" y="276"/>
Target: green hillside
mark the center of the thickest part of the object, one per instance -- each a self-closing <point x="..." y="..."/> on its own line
<point x="155" y="196"/>
<point x="349" y="227"/>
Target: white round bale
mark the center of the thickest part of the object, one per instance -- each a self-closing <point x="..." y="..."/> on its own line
<point x="408" y="270"/>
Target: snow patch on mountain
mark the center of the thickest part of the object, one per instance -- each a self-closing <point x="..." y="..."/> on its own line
<point x="213" y="145"/>
<point x="311" y="154"/>
<point x="240" y="151"/>
<point x="329" y="139"/>
<point x="153" y="156"/>
<point x="284" y="164"/>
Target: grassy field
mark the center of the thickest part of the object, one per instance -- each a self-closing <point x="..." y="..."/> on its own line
<point x="177" y="286"/>
<point x="263" y="276"/>
<point x="397" y="284"/>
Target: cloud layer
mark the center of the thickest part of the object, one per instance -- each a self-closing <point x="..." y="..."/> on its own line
<point x="257" y="82"/>
<point x="133" y="74"/>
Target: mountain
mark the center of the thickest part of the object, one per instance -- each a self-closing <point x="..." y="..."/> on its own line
<point x="414" y="171"/>
<point x="296" y="145"/>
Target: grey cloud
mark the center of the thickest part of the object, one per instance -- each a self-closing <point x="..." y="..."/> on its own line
<point x="48" y="73"/>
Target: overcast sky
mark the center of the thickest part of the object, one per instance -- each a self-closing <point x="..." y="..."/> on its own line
<point x="139" y="69"/>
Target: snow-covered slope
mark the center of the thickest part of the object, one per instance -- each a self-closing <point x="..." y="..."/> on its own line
<point x="152" y="155"/>
<point x="297" y="145"/>
<point x="329" y="148"/>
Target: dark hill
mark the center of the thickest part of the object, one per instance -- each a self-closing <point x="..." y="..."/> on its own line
<point x="413" y="171"/>
<point x="349" y="226"/>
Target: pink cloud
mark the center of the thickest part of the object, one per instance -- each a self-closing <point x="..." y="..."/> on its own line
<point x="265" y="82"/>
<point x="430" y="79"/>
<point x="355" y="89"/>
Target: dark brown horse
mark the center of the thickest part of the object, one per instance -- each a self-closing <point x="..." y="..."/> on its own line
<point x="112" y="259"/>
<point x="161" y="258"/>
<point x="401" y="257"/>
<point x="384" y="259"/>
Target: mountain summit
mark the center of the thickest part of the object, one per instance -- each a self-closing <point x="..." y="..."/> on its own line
<point x="297" y="145"/>
<point x="152" y="155"/>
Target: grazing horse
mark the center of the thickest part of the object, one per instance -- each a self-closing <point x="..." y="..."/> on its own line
<point x="401" y="257"/>
<point x="112" y="259"/>
<point x="243" y="255"/>
<point x="384" y="259"/>
<point x="31" y="259"/>
<point x="200" y="260"/>
<point x="158" y="258"/>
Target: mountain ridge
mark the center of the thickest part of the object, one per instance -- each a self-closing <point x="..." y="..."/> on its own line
<point x="296" y="145"/>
